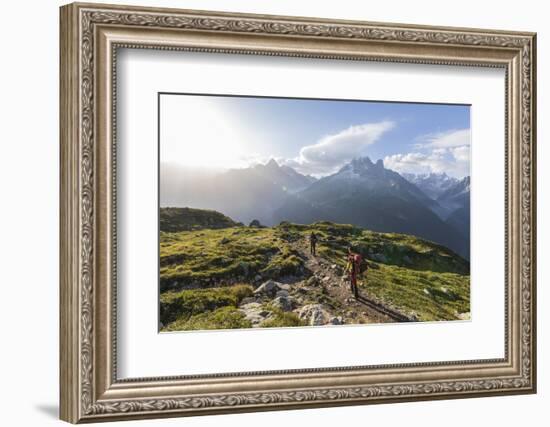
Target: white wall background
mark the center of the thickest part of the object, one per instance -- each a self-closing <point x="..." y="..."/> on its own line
<point x="29" y="170"/>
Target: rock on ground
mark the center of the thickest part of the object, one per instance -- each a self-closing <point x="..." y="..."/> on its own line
<point x="269" y="288"/>
<point x="248" y="300"/>
<point x="337" y="320"/>
<point x="312" y="281"/>
<point x="284" y="303"/>
<point x="282" y="293"/>
<point x="255" y="313"/>
<point x="314" y="314"/>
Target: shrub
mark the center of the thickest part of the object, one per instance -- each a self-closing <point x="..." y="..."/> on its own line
<point x="191" y="302"/>
<point x="242" y="291"/>
<point x="285" y="263"/>
<point x="282" y="319"/>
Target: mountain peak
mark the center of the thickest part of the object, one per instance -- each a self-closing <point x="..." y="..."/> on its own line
<point x="365" y="163"/>
<point x="282" y="176"/>
<point x="459" y="189"/>
<point x="360" y="161"/>
<point x="272" y="163"/>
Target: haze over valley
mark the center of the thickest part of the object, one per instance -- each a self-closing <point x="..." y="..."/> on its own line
<point x="432" y="206"/>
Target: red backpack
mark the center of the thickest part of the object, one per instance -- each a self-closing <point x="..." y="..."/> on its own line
<point x="360" y="265"/>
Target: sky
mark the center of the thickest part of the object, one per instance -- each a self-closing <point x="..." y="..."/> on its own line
<point x="316" y="137"/>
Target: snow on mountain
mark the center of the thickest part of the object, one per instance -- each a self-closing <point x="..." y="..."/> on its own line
<point x="432" y="184"/>
<point x="369" y="195"/>
<point x="456" y="200"/>
<point x="364" y="173"/>
<point x="456" y="196"/>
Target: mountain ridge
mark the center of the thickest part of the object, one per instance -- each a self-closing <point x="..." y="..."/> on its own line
<point x="456" y="200"/>
<point x="367" y="194"/>
<point x="432" y="184"/>
<point x="362" y="192"/>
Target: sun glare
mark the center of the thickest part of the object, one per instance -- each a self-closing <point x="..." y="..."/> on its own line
<point x="197" y="132"/>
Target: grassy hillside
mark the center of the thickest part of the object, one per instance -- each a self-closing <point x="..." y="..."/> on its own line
<point x="185" y="219"/>
<point x="415" y="276"/>
<point x="195" y="259"/>
<point x="208" y="275"/>
<point x="214" y="308"/>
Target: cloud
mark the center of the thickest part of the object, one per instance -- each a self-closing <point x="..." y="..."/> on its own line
<point x="448" y="139"/>
<point x="332" y="151"/>
<point x="447" y="152"/>
<point x="417" y="162"/>
<point x="253" y="159"/>
<point x="461" y="154"/>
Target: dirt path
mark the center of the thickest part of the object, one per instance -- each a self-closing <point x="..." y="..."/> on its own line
<point x="329" y="278"/>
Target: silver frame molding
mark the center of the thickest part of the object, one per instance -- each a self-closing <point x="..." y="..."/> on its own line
<point x="90" y="37"/>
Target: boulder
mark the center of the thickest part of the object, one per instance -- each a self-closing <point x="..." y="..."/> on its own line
<point x="282" y="293"/>
<point x="336" y="320"/>
<point x="283" y="286"/>
<point x="269" y="288"/>
<point x="255" y="313"/>
<point x="248" y="300"/>
<point x="314" y="314"/>
<point x="283" y="303"/>
<point x="251" y="306"/>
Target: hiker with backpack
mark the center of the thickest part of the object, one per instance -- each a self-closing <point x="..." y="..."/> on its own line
<point x="354" y="267"/>
<point x="312" y="243"/>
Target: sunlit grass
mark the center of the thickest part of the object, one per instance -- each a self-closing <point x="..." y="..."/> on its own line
<point x="412" y="275"/>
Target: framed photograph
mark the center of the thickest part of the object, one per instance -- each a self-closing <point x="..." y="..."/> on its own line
<point x="266" y="213"/>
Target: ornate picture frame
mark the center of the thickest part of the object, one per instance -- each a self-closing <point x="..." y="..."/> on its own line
<point x="90" y="37"/>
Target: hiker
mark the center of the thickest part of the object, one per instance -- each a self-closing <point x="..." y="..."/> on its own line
<point x="312" y="243"/>
<point x="353" y="268"/>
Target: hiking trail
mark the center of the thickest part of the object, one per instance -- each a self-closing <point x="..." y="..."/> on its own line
<point x="330" y="280"/>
